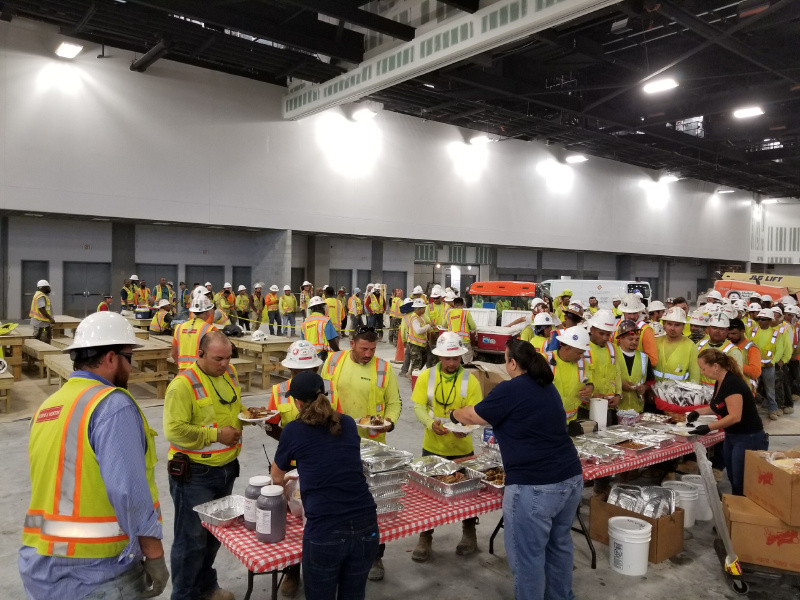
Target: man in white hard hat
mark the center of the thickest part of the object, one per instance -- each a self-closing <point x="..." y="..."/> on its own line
<point x="600" y="360"/>
<point x="766" y="301"/>
<point x="306" y="293"/>
<point x="272" y="313"/>
<point x="616" y="300"/>
<point x="375" y="307"/>
<point x="631" y="308"/>
<point x="635" y="369"/>
<point x="161" y="324"/>
<point x="226" y="302"/>
<point x="655" y="311"/>
<point x="365" y="385"/>
<point x="677" y="354"/>
<point x="288" y="306"/>
<point x="318" y="328"/>
<point x="242" y="305"/>
<point x="770" y="342"/>
<point x="439" y="391"/>
<point x="417" y="333"/>
<point x="256" y="305"/>
<point x="697" y="326"/>
<point x="102" y="536"/>
<point x="126" y="293"/>
<point x="571" y="378"/>
<point x="201" y="424"/>
<point x="418" y="292"/>
<point x="741" y="308"/>
<point x="713" y="297"/>
<point x="355" y="309"/>
<point x="406" y="310"/>
<point x="717" y="330"/>
<point x="460" y="322"/>
<point x="187" y="335"/>
<point x="752" y="317"/>
<point x="437" y="306"/>
<point x="334" y="310"/>
<point x="41" y="312"/>
<point x="538" y="333"/>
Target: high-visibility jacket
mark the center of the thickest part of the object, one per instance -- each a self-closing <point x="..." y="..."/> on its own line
<point x="787" y="331"/>
<point x="592" y="309"/>
<point x="158" y="323"/>
<point x="394" y="307"/>
<point x="102" y="307"/>
<point x="752" y="361"/>
<point x="461" y="322"/>
<point x="601" y="364"/>
<point x="242" y="303"/>
<point x="35" y="312"/>
<point x="559" y="312"/>
<point x="617" y="312"/>
<point x="375" y="306"/>
<point x="728" y="348"/>
<point x="304" y="298"/>
<point x="129" y="295"/>
<point x="404" y="327"/>
<point x="287" y="304"/>
<point x="437" y="313"/>
<point x="770" y="343"/>
<point x="187" y="336"/>
<point x="637" y="376"/>
<point x="226" y="301"/>
<point x="69" y="513"/>
<point x="354" y="306"/>
<point x="207" y="411"/>
<point x="284" y="403"/>
<point x="749" y="323"/>
<point x="677" y="361"/>
<point x="271" y="302"/>
<point x="333" y="312"/>
<point x="258" y="304"/>
<point x="314" y="331"/>
<point x="414" y="338"/>
<point x="539" y="343"/>
<point x="568" y="378"/>
<point x="163" y="293"/>
<point x="221" y="318"/>
<point x="142" y="298"/>
<point x="184" y="298"/>
<point x="502" y="305"/>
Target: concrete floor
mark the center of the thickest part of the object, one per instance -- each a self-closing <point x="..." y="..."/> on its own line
<point x="446" y="576"/>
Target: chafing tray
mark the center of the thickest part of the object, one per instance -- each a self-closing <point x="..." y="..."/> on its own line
<point x="222" y="512"/>
<point x="634" y="451"/>
<point x="443" y="491"/>
<point x="389" y="511"/>
<point x="399" y="476"/>
<point x="390" y="490"/>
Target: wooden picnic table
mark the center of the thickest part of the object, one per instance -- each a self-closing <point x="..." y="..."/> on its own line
<point x="35" y="351"/>
<point x="6" y="381"/>
<point x="64" y="323"/>
<point x="12" y="343"/>
<point x="264" y="351"/>
<point x="139" y="323"/>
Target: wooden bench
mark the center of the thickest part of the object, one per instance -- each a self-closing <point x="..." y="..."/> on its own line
<point x="61" y="366"/>
<point x="6" y="381"/>
<point x="35" y="350"/>
<point x="245" y="368"/>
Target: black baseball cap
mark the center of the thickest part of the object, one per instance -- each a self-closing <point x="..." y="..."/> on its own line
<point x="306" y="386"/>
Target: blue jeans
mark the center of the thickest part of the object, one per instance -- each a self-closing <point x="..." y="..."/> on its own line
<point x="733" y="451"/>
<point x="288" y="320"/>
<point x="274" y="318"/>
<point x="376" y="321"/>
<point x="768" y="377"/>
<point x="129" y="584"/>
<point x="336" y="565"/>
<point x="194" y="548"/>
<point x="538" y="539"/>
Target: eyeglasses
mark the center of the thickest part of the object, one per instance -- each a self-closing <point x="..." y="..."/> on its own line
<point x="128" y="355"/>
<point x="361" y="329"/>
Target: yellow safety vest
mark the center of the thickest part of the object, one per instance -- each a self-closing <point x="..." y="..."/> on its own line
<point x="767" y="348"/>
<point x="354" y="306"/>
<point x="100" y="307"/>
<point x="726" y="349"/>
<point x="431" y="441"/>
<point x="209" y="413"/>
<point x="287" y="303"/>
<point x="676" y="368"/>
<point x="163" y="293"/>
<point x="458" y="322"/>
<point x="188" y="335"/>
<point x="637" y="376"/>
<point x="70" y="513"/>
<point x="394" y="307"/>
<point x="436" y="312"/>
<point x="333" y="312"/>
<point x="242" y="303"/>
<point x="376" y="306"/>
<point x="413" y="338"/>
<point x="258" y="304"/>
<point x="284" y="403"/>
<point x="616" y="312"/>
<point x="157" y="325"/>
<point x="271" y="302"/>
<point x="223" y="318"/>
<point x="35" y="312"/>
<point x="129" y="294"/>
<point x="568" y="379"/>
<point x="601" y="363"/>
<point x="314" y="331"/>
<point x="141" y="297"/>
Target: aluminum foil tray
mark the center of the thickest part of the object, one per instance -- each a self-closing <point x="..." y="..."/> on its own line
<point x="386" y="477"/>
<point x="606" y="437"/>
<point x="483" y="462"/>
<point x="446" y="498"/>
<point x="635" y="451"/>
<point x="222" y="512"/>
<point x="389" y="511"/>
<point x="592" y="453"/>
<point x="383" y="458"/>
<point x="390" y="490"/>
<point x="474" y="481"/>
<point x="383" y="503"/>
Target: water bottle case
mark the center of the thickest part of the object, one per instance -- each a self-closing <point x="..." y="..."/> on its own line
<point x="179" y="468"/>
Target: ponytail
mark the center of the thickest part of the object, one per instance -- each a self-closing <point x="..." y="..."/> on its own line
<point x="529" y="360"/>
<point x="712" y="356"/>
<point x="320" y="413"/>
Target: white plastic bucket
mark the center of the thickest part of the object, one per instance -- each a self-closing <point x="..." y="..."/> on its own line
<point x="703" y="509"/>
<point x="688" y="494"/>
<point x="629" y="545"/>
<point x="598" y="412"/>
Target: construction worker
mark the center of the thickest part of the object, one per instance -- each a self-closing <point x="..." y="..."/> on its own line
<point x="306" y="293"/>
<point x="142" y="297"/>
<point x="752" y="317"/>
<point x="375" y="305"/>
<point x="406" y="310"/>
<point x="257" y="304"/>
<point x="655" y="311"/>
<point x="697" y="326"/>
<point x="570" y="376"/>
<point x="341" y="298"/>
<point x="766" y="301"/>
<point x="93" y="515"/>
<point x="272" y="313"/>
<point x="161" y="322"/>
<point x="126" y="293"/>
<point x="332" y="304"/>
<point x="418" y="292"/>
<point x="593" y="306"/>
<point x="600" y="362"/>
<point x="538" y="333"/>
<point x="783" y="391"/>
<point x="573" y="317"/>
<point x="355" y="308"/>
<point x="187" y="336"/>
<point x="502" y="305"/>
<point x="41" y="312"/>
<point x="288" y="305"/>
<point x="717" y="331"/>
<point x="459" y="321"/>
<point x="713" y="297"/>
<point x="677" y="354"/>
<point x="210" y="288"/>
<point x="417" y="334"/>
<point x="242" y="305"/>
<point x="615" y="302"/>
<point x="750" y="352"/>
<point x="437" y="307"/>
<point x="226" y="302"/>
<point x="770" y="344"/>
<point x="635" y="370"/>
<point x="105" y="305"/>
<point x="395" y="316"/>
<point x="741" y="309"/>
<point x="201" y="424"/>
<point x="183" y="301"/>
<point x="563" y="303"/>
<point x="318" y="329"/>
<point x="793" y="370"/>
<point x="365" y="385"/>
<point x="449" y="298"/>
<point x="438" y="392"/>
<point x="161" y="291"/>
<point x="632" y="308"/>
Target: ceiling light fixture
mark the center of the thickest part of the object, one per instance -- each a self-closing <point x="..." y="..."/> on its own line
<point x="438" y="265"/>
<point x="668" y="179"/>
<point x="750" y="111"/>
<point x="725" y="191"/>
<point x="660" y="85"/>
<point x="576" y="158"/>
<point x="160" y="223"/>
<point x="363" y="114"/>
<point x="478" y="140"/>
<point x="429" y="85"/>
<point x="68" y="50"/>
<point x="32" y="215"/>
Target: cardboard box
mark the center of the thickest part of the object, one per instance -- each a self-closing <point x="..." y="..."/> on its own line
<point x="772" y="488"/>
<point x="666" y="539"/>
<point x="488" y="375"/>
<point x="759" y="537"/>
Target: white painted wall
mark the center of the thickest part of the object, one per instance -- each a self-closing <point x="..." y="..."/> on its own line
<point x="187" y="144"/>
<point x="779" y="234"/>
<point x="399" y="256"/>
<point x="683" y="278"/>
<point x="299" y="251"/>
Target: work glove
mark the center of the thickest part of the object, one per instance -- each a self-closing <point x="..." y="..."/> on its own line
<point x="701" y="430"/>
<point x="692" y="417"/>
<point x="156" y="576"/>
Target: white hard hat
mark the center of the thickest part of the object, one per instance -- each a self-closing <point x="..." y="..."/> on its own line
<point x="730" y="312"/>
<point x="536" y="302"/>
<point x="405" y="301"/>
<point x="315" y="301"/>
<point x="241" y="289"/>
<point x="436" y="293"/>
<point x="714" y="294"/>
<point x="577" y="337"/>
<point x="258" y="286"/>
<point x="103" y="329"/>
<point x="604" y="320"/>
<point x="766" y="298"/>
<point x="631" y="304"/>
<point x="287" y="288"/>
<point x="777" y="310"/>
<point x="305" y="283"/>
<point x="711" y="308"/>
<point x="753" y="307"/>
<point x="740" y="305"/>
<point x="42" y="283"/>
<point x="658" y="329"/>
<point x="543" y="319"/>
<point x="755" y="295"/>
<point x="792" y="309"/>
<point x="273" y="288"/>
<point x="376" y="284"/>
<point x="227" y="285"/>
<point x="419" y="303"/>
<point x="575" y="307"/>
<point x="788" y="301"/>
<point x="207" y="283"/>
<point x="656" y="305"/>
<point x="641" y="296"/>
<point x="162" y="303"/>
<point x="301" y="355"/>
<point x="616" y="298"/>
<point x="416" y="290"/>
<point x="134" y="278"/>
<point x="201" y="303"/>
<point x="258" y="336"/>
<point x="765" y="313"/>
<point x="449" y="297"/>
<point x="449" y="344"/>
<point x="720" y="320"/>
<point x="675" y="314"/>
<point x="698" y="318"/>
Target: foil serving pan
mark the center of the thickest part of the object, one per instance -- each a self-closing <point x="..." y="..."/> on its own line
<point x="484" y="462"/>
<point x="222" y="512"/>
<point x="448" y="499"/>
<point x="390" y="490"/>
<point x="434" y="465"/>
<point x="387" y="477"/>
<point x="389" y="511"/>
<point x="474" y="481"/>
<point x="380" y="459"/>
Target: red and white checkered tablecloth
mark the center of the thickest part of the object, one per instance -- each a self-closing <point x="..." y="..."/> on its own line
<point x="419" y="513"/>
<point x="651" y="458"/>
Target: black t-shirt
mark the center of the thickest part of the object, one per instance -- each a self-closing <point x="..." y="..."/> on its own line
<point x="530" y="425"/>
<point x="731" y="385"/>
<point x="332" y="482"/>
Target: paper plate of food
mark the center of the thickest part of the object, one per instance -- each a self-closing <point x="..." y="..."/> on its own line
<point x="373" y="422"/>
<point x="458" y="427"/>
<point x="256" y="414"/>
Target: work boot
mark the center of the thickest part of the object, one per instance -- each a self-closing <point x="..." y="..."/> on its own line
<point x="422" y="551"/>
<point x="780" y="412"/>
<point x="787" y="410"/>
<point x="469" y="540"/>
<point x="773" y="416"/>
<point x="376" y="572"/>
<point x="219" y="594"/>
<point x="291" y="582"/>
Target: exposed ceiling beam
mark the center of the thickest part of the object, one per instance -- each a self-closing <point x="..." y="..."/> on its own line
<point x="87" y="16"/>
<point x="141" y="64"/>
<point x="774" y="154"/>
<point x="356" y="16"/>
<point x="469" y="6"/>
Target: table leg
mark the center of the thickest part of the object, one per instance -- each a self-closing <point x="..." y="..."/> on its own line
<point x="16" y="352"/>
<point x="265" y="358"/>
<point x="250" y="576"/>
<point x="494" y="535"/>
<point x="275" y="585"/>
<point x="162" y="366"/>
<point x="585" y="533"/>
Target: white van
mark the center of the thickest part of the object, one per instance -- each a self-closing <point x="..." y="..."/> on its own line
<point x="602" y="289"/>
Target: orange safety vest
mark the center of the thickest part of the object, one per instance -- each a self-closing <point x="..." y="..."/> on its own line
<point x="188" y="336"/>
<point x="314" y="331"/>
<point x="271" y="302"/>
<point x="413" y="338"/>
<point x="141" y="297"/>
<point x="157" y="325"/>
<point x="457" y="322"/>
<point x="333" y="312"/>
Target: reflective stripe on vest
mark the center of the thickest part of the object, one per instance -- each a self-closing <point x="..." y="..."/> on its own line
<point x="683" y="377"/>
<point x="35" y="311"/>
<point x="188" y="348"/>
<point x="461" y="319"/>
<point x="316" y="324"/>
<point x="375" y="403"/>
<point x="775" y="333"/>
<point x="354" y="305"/>
<point x="414" y="338"/>
<point x="462" y="385"/>
<point x="282" y="397"/>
